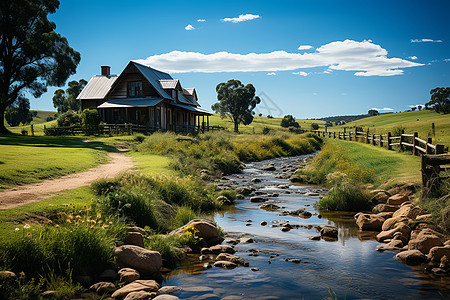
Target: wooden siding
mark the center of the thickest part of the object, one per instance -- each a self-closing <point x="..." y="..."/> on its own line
<point x="120" y="90"/>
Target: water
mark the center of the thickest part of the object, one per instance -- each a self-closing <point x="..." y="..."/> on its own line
<point x="349" y="266"/>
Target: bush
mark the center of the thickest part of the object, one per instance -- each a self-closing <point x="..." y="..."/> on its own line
<point x="289" y="121"/>
<point x="315" y="126"/>
<point x="90" y="120"/>
<point x="69" y="118"/>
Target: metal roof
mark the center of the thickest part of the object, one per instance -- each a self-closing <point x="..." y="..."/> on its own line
<point x="169" y="84"/>
<point x="131" y="102"/>
<point x="153" y="76"/>
<point x="97" y="87"/>
<point x="189" y="91"/>
<point x="192" y="108"/>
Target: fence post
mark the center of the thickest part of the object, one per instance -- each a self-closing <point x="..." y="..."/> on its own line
<point x="356" y="134"/>
<point x="367" y="136"/>
<point x="32" y="129"/>
<point x="373" y="140"/>
<point x="433" y="128"/>
<point x="345" y="131"/>
<point x="334" y="134"/>
<point x="415" y="143"/>
<point x="381" y="140"/>
<point x="389" y="141"/>
<point x="401" y="140"/>
<point x="439" y="149"/>
<point x="428" y="148"/>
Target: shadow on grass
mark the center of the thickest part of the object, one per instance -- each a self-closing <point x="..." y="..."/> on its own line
<point x="55" y="141"/>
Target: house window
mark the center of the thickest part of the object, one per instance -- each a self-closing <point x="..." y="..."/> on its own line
<point x="134" y="88"/>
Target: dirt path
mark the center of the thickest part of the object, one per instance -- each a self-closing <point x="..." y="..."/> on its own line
<point x="25" y="194"/>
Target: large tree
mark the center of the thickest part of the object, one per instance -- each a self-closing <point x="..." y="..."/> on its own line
<point x="32" y="55"/>
<point x="67" y="100"/>
<point x="19" y="112"/>
<point x="440" y="100"/>
<point x="236" y="101"/>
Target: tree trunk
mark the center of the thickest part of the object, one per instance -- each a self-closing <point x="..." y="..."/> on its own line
<point x="236" y="126"/>
<point x="3" y="129"/>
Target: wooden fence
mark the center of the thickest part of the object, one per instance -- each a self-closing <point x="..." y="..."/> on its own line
<point x="431" y="166"/>
<point x="401" y="142"/>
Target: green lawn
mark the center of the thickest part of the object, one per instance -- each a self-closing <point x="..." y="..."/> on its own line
<point x="413" y="121"/>
<point x="26" y="159"/>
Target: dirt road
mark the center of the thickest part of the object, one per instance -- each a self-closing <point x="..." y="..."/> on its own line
<point x="25" y="194"/>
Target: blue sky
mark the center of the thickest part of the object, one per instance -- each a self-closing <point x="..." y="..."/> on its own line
<point x="356" y="55"/>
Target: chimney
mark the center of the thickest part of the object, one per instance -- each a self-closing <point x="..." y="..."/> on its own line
<point x="106" y="70"/>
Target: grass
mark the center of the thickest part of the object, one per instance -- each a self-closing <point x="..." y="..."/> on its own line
<point x="28" y="159"/>
<point x="413" y="121"/>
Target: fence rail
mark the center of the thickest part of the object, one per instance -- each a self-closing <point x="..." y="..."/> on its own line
<point x="431" y="166"/>
<point x="404" y="141"/>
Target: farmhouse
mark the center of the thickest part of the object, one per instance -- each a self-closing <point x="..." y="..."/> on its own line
<point x="144" y="96"/>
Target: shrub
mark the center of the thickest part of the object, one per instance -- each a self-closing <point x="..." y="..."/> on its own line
<point x="90" y="120"/>
<point x="169" y="247"/>
<point x="69" y="118"/>
<point x="315" y="126"/>
<point x="289" y="121"/>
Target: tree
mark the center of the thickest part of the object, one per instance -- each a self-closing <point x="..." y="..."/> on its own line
<point x="32" y="55"/>
<point x="373" y="112"/>
<point x="19" y="112"/>
<point x="236" y="101"/>
<point x="289" y="121"/>
<point x="440" y="100"/>
<point x="66" y="100"/>
<point x="315" y="126"/>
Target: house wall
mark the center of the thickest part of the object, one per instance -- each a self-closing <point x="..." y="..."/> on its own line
<point x="91" y="103"/>
<point x="120" y="90"/>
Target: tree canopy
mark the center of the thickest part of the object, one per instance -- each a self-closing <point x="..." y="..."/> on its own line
<point x="236" y="101"/>
<point x="32" y="55"/>
<point x="289" y="121"/>
<point x="440" y="100"/>
<point x="19" y="112"/>
<point x="66" y="100"/>
<point x="373" y="112"/>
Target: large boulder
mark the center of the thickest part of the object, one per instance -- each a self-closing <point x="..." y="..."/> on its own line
<point x="136" y="286"/>
<point x="128" y="275"/>
<point x="380" y="197"/>
<point x="392" y="222"/>
<point x="384" y="208"/>
<point x="369" y="222"/>
<point x="329" y="231"/>
<point x="424" y="241"/>
<point x="409" y="210"/>
<point x="230" y="257"/>
<point x="258" y="199"/>
<point x="102" y="288"/>
<point x="134" y="238"/>
<point x="141" y="295"/>
<point x="206" y="228"/>
<point x="244" y="190"/>
<point x="436" y="253"/>
<point x="397" y="199"/>
<point x="411" y="257"/>
<point x="217" y="249"/>
<point x="143" y="260"/>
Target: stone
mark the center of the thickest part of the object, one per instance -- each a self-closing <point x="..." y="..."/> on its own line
<point x="103" y="288"/>
<point x="411" y="257"/>
<point x="143" y="260"/>
<point x="380" y="197"/>
<point x="444" y="262"/>
<point x="385" y="208"/>
<point x="128" y="275"/>
<point x="206" y="228"/>
<point x="436" y="253"/>
<point x="397" y="199"/>
<point x="315" y="238"/>
<point x="269" y="167"/>
<point x="224" y="200"/>
<point x="136" y="286"/>
<point x="225" y="264"/>
<point x="169" y="289"/>
<point x="217" y="249"/>
<point x="369" y="222"/>
<point x="447" y="242"/>
<point x="232" y="258"/>
<point x="392" y="222"/>
<point x="254" y="269"/>
<point x="263" y="223"/>
<point x="426" y="218"/>
<point x="439" y="272"/>
<point x="244" y="191"/>
<point x="140" y="295"/>
<point x="134" y="238"/>
<point x="409" y="210"/>
<point x="389" y="234"/>
<point x="246" y="240"/>
<point x="258" y="199"/>
<point x="424" y="242"/>
<point x="305" y="214"/>
<point x="256" y="180"/>
<point x="108" y="275"/>
<point x="393" y="245"/>
<point x="48" y="294"/>
<point x="329" y="231"/>
<point x="166" y="297"/>
<point x="269" y="206"/>
<point x="139" y="229"/>
<point x="8" y="275"/>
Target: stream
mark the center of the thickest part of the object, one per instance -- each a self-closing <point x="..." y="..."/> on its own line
<point x="289" y="265"/>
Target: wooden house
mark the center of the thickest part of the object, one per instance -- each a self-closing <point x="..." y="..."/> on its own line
<point x="145" y="96"/>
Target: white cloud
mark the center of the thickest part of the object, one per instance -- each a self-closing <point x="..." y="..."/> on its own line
<point x="241" y="18"/>
<point x="301" y="73"/>
<point x="384" y="108"/>
<point x="417" y="106"/>
<point x="447" y="59"/>
<point x="201" y="20"/>
<point x="365" y="58"/>
<point x="272" y="74"/>
<point x="304" y="47"/>
<point x="413" y="57"/>
<point x="425" y="41"/>
<point x="189" y="27"/>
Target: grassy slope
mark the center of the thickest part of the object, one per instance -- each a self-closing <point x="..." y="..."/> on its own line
<point x="27" y="159"/>
<point x="38" y="122"/>
<point x="413" y="121"/>
<point x="401" y="167"/>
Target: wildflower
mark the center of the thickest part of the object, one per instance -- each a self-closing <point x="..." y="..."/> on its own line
<point x="17" y="229"/>
<point x="26" y="226"/>
<point x="68" y="221"/>
<point x="57" y="226"/>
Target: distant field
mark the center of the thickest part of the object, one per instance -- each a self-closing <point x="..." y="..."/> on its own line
<point x="258" y="123"/>
<point x="413" y="121"/>
<point x="38" y="122"/>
